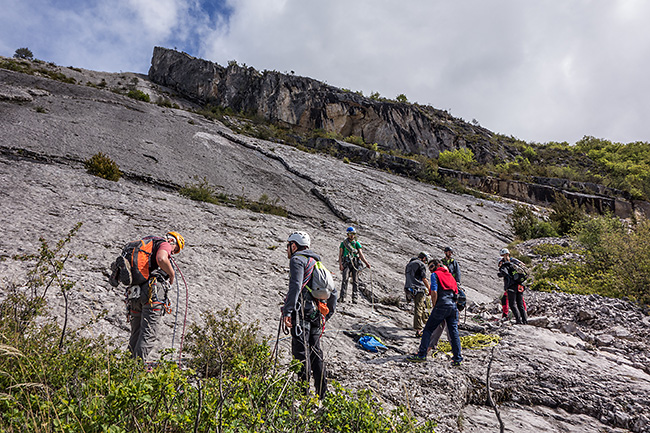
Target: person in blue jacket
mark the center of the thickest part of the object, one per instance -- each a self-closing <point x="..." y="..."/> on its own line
<point x="444" y="290"/>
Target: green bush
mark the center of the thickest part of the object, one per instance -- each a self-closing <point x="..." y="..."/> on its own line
<point x="201" y="191"/>
<point x="525" y="225"/>
<point x="348" y="411"/>
<point x="429" y="174"/>
<point x="138" y="95"/>
<point x="402" y="98"/>
<point x="551" y="250"/>
<point x="24" y="53"/>
<point x="102" y="166"/>
<point x="522" y="220"/>
<point x="265" y="205"/>
<point x="204" y="192"/>
<point x="355" y="139"/>
<point x="223" y="344"/>
<point x="565" y="214"/>
<point x="615" y="262"/>
<point x="592" y="234"/>
<point x="458" y="159"/>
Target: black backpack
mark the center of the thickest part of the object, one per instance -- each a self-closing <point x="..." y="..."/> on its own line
<point x="461" y="300"/>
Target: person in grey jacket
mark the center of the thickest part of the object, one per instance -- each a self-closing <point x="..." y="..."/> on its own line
<point x="301" y="314"/>
<point x="417" y="287"/>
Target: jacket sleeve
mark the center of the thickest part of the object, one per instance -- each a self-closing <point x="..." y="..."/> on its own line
<point x="296" y="274"/>
<point x="434" y="282"/>
<point x="331" y="304"/>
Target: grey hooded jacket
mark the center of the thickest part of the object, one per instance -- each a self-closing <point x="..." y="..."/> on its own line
<point x="292" y="302"/>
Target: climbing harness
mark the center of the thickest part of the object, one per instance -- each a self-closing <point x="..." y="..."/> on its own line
<point x="352" y="259"/>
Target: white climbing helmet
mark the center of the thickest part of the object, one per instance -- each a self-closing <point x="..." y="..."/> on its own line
<point x="504" y="251"/>
<point x="301" y="238"/>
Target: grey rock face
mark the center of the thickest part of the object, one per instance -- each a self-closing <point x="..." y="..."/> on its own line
<point x="543" y="379"/>
<point x="595" y="198"/>
<point x="306" y="104"/>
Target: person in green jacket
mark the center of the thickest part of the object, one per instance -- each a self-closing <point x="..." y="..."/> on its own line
<point x="350" y="259"/>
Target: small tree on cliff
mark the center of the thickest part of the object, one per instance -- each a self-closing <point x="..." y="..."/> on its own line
<point x="24" y="53"/>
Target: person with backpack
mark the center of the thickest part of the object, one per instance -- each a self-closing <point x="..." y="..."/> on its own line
<point x="454" y="268"/>
<point x="451" y="263"/>
<point x="416" y="287"/>
<point x="505" y="306"/>
<point x="304" y="314"/>
<point x="514" y="274"/>
<point x="145" y="268"/>
<point x="444" y="291"/>
<point x="350" y="258"/>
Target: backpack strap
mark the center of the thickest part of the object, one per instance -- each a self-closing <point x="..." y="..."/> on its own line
<point x="309" y="270"/>
<point x="354" y="252"/>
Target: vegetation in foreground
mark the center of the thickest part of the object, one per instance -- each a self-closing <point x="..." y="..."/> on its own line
<point x="57" y="380"/>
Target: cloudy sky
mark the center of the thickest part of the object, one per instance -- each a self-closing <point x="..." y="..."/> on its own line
<point x="543" y="70"/>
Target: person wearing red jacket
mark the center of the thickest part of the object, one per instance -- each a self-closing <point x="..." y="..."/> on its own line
<point x="443" y="291"/>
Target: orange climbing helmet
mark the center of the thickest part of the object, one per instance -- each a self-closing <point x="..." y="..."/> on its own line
<point x="180" y="241"/>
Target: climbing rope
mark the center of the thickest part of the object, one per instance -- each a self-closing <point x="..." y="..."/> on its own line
<point x="372" y="293"/>
<point x="175" y="314"/>
<point x="187" y="301"/>
<point x="471" y="342"/>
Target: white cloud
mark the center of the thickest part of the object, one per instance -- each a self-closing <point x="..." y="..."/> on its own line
<point x="158" y="17"/>
<point x="542" y="71"/>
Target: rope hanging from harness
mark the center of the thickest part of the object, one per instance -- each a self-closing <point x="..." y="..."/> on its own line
<point x="187" y="301"/>
<point x="175" y="314"/>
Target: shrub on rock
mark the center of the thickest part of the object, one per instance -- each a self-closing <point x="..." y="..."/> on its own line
<point x="103" y="166"/>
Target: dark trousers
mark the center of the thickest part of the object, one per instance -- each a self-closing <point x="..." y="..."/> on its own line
<point x="306" y="339"/>
<point x="349" y="271"/>
<point x="516" y="303"/>
<point x="447" y="313"/>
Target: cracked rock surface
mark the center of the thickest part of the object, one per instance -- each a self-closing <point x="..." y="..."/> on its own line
<point x="581" y="366"/>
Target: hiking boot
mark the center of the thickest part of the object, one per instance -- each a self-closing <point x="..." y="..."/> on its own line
<point x="455" y="363"/>
<point x="416" y="358"/>
<point x="115" y="274"/>
<point x="125" y="271"/>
